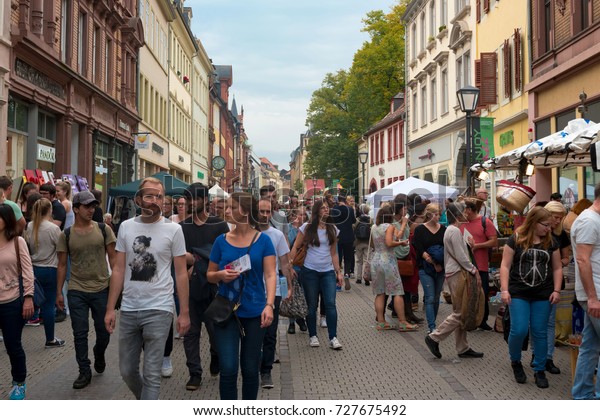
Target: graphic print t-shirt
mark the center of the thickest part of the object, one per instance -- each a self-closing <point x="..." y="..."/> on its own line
<point x="531" y="276"/>
<point x="150" y="249"/>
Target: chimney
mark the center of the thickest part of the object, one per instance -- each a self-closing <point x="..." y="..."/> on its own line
<point x="397" y="101"/>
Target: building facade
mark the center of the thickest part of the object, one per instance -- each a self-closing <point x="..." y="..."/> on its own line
<point x="5" y="46"/>
<point x="565" y="63"/>
<point x="72" y="105"/>
<point x="439" y="61"/>
<point x="202" y="70"/>
<point x="385" y="141"/>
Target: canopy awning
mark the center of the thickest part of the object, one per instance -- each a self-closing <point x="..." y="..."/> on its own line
<point x="568" y="147"/>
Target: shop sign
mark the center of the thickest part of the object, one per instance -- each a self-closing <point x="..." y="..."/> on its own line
<point x="158" y="149"/>
<point x="200" y="175"/>
<point x="142" y="141"/>
<point x="124" y="126"/>
<point x="46" y="153"/>
<point x="507" y="138"/>
<point x="218" y="173"/>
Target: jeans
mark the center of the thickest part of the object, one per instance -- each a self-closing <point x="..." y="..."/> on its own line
<point x="147" y="330"/>
<point x="191" y="341"/>
<point x="432" y="289"/>
<point x="270" y="341"/>
<point x="485" y="284"/>
<point x="314" y="282"/>
<point x="589" y="352"/>
<point x="81" y="305"/>
<point x="46" y="277"/>
<point x="551" y="334"/>
<point x="532" y="316"/>
<point x="11" y="325"/>
<point x="233" y="357"/>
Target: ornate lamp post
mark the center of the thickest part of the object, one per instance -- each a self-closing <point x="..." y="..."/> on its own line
<point x="328" y="171"/>
<point x="468" y="96"/>
<point x="314" y="181"/>
<point x="362" y="157"/>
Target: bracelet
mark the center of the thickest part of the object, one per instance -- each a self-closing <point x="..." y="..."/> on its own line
<point x="504" y="291"/>
<point x="556" y="291"/>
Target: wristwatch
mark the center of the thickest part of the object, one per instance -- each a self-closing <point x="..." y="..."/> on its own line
<point x="272" y="305"/>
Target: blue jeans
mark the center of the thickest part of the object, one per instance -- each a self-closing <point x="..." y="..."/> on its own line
<point x="11" y="325"/>
<point x="432" y="289"/>
<point x="82" y="303"/>
<point x="532" y="316"/>
<point x="270" y="341"/>
<point x="46" y="277"/>
<point x="551" y="334"/>
<point x="314" y="282"/>
<point x="233" y="357"/>
<point x="147" y="330"/>
<point x="589" y="352"/>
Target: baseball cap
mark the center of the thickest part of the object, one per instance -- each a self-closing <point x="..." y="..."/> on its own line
<point x="196" y="190"/>
<point x="84" y="197"/>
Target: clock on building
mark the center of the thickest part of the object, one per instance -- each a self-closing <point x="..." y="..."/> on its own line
<point x="218" y="162"/>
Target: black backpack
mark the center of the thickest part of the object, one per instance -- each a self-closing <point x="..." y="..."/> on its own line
<point x="362" y="231"/>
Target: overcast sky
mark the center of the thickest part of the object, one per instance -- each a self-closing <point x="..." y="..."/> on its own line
<point x="280" y="51"/>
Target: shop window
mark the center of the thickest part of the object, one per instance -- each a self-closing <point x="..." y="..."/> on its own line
<point x="101" y="166"/>
<point x="567" y="179"/>
<point x="18" y="116"/>
<point x="116" y="175"/>
<point x="591" y="180"/>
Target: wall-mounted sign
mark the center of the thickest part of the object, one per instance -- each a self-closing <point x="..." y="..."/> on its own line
<point x="158" y="149"/>
<point x="200" y="175"/>
<point x="142" y="141"/>
<point x="429" y="155"/>
<point x="181" y="159"/>
<point x="507" y="139"/>
<point x="124" y="126"/>
<point x="218" y="173"/>
<point x="46" y="153"/>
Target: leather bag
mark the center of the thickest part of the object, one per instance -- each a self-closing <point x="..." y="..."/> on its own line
<point x="300" y="256"/>
<point x="220" y="310"/>
<point x="406" y="267"/>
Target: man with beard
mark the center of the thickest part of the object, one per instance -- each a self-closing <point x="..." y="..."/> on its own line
<point x="278" y="220"/>
<point x="147" y="305"/>
<point x="200" y="231"/>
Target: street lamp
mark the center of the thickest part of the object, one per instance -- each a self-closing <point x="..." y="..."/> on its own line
<point x="314" y="180"/>
<point x="362" y="157"/>
<point x="328" y="171"/>
<point x="468" y="96"/>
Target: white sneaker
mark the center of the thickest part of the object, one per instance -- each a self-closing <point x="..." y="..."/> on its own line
<point x="323" y="323"/>
<point x="335" y="344"/>
<point x="167" y="368"/>
<point x="314" y="341"/>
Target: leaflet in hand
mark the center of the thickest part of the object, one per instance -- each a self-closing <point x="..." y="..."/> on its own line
<point x="467" y="235"/>
<point x="241" y="265"/>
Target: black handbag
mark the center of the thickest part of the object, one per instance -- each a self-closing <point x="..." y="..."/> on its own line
<point x="221" y="309"/>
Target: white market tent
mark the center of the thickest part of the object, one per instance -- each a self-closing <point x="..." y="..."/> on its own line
<point x="412" y="185"/>
<point x="216" y="191"/>
<point x="568" y="147"/>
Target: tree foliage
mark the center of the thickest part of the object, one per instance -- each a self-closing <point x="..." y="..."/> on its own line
<point x="350" y="101"/>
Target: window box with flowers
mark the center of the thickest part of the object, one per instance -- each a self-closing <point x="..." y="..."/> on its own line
<point x="430" y="43"/>
<point x="186" y="79"/>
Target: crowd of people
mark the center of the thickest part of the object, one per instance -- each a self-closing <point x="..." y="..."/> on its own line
<point x="183" y="260"/>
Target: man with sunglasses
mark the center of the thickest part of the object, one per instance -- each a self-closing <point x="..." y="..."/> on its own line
<point x="87" y="243"/>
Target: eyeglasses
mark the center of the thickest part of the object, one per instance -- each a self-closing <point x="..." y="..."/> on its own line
<point x="152" y="197"/>
<point x="546" y="225"/>
<point x="181" y="204"/>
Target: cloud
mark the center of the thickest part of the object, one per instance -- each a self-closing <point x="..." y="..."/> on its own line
<point x="280" y="51"/>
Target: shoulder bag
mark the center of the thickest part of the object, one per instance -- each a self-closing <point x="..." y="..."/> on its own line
<point x="295" y="306"/>
<point x="222" y="309"/>
<point x="38" y="292"/>
<point x="367" y="262"/>
<point x="472" y="299"/>
<point x="300" y="256"/>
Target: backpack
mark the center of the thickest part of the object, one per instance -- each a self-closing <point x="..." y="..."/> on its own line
<point x="67" y="232"/>
<point x="362" y="231"/>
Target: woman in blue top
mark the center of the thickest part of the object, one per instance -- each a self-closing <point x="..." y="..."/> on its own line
<point x="255" y="312"/>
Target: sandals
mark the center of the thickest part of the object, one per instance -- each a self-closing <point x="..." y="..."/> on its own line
<point x="382" y="326"/>
<point x="406" y="327"/>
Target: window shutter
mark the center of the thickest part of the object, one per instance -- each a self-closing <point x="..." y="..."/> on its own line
<point x="478" y="74"/>
<point x="486" y="6"/>
<point x="488" y="91"/>
<point x="478" y="7"/>
<point x="506" y="57"/>
<point x="518" y="73"/>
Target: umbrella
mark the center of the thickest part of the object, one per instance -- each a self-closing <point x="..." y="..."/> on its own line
<point x="173" y="186"/>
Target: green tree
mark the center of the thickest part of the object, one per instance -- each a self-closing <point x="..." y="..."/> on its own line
<point x="349" y="102"/>
<point x="299" y="187"/>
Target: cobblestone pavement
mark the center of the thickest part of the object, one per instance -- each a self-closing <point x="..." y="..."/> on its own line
<point x="372" y="365"/>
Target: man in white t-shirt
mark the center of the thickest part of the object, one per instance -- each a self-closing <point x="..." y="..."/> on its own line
<point x="146" y="246"/>
<point x="585" y="240"/>
<point x="285" y="275"/>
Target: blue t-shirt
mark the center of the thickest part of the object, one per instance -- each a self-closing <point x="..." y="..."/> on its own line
<point x="254" y="296"/>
